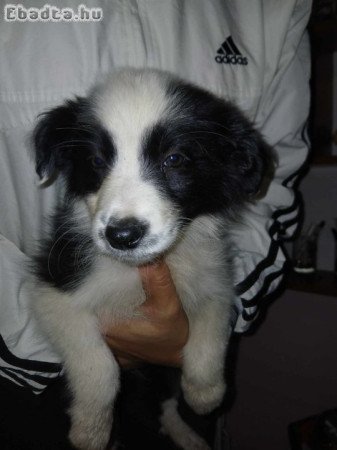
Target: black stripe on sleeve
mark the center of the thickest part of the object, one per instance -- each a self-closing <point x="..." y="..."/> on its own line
<point x="292" y="176"/>
<point x="249" y="317"/>
<point x="17" y="379"/>
<point x="276" y="227"/>
<point x="26" y="364"/>
<point x="254" y="301"/>
<point x="251" y="279"/>
<point x="300" y="172"/>
<point x="288" y="223"/>
<point x="37" y="378"/>
<point x="281" y="212"/>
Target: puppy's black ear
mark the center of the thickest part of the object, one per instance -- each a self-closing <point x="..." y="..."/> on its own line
<point x="55" y="135"/>
<point x="248" y="160"/>
<point x="255" y="163"/>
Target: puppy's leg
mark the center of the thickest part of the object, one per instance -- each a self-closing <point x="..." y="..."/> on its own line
<point x="174" y="426"/>
<point x="204" y="357"/>
<point x="91" y="370"/>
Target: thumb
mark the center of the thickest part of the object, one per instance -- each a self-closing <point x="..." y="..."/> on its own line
<point x="158" y="284"/>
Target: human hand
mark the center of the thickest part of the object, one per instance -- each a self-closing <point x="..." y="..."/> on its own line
<point x="161" y="332"/>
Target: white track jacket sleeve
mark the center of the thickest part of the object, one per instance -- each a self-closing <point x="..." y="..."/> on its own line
<point x="281" y="115"/>
<point x="254" y="53"/>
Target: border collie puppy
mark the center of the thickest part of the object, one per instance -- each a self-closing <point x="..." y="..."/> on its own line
<point x="152" y="167"/>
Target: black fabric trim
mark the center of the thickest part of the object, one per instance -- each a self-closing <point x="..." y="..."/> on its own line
<point x="278" y="227"/>
<point x="251" y="279"/>
<point x="19" y="380"/>
<point x="254" y="301"/>
<point x="301" y="171"/>
<point x="274" y="229"/>
<point x="27" y="364"/>
<point x="249" y="317"/>
<point x="269" y="260"/>
<point x="290" y="222"/>
<point x="292" y="176"/>
<point x="296" y="220"/>
<point x="37" y="378"/>
<point x="288" y="210"/>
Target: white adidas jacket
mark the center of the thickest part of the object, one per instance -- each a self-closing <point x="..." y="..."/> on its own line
<point x="253" y="52"/>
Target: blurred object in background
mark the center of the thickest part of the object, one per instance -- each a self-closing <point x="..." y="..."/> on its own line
<point x="334" y="233"/>
<point x="323" y="115"/>
<point x="324" y="9"/>
<point x="305" y="249"/>
<point x="315" y="433"/>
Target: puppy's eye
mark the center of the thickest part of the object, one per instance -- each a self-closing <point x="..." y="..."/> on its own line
<point x="97" y="162"/>
<point x="174" y="160"/>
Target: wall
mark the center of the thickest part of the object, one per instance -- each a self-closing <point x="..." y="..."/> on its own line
<point x="334" y="106"/>
<point x="319" y="189"/>
<point x="286" y="371"/>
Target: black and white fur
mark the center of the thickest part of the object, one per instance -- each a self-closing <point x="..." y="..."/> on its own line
<point x="152" y="167"/>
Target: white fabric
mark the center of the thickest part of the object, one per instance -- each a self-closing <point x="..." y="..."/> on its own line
<point x="41" y="64"/>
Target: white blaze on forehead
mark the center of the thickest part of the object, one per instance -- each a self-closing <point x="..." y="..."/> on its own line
<point x="128" y="105"/>
<point x="131" y="101"/>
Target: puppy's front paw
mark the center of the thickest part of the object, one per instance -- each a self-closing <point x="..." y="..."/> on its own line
<point x="203" y="398"/>
<point x="90" y="430"/>
<point x="174" y="426"/>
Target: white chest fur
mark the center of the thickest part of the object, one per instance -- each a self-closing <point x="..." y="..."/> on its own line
<point x="197" y="263"/>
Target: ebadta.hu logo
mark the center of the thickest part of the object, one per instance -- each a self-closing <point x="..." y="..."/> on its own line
<point x="228" y="53"/>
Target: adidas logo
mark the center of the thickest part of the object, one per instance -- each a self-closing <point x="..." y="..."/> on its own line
<point x="228" y="53"/>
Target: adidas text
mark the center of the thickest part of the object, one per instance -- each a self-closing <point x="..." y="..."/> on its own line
<point x="231" y="59"/>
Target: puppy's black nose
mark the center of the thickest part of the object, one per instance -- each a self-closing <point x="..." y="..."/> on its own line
<point x="125" y="234"/>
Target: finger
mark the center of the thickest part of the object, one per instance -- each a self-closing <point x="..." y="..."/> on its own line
<point x="121" y="349"/>
<point x="126" y="361"/>
<point x="158" y="284"/>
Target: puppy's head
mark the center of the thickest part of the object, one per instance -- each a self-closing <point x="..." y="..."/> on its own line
<point x="147" y="154"/>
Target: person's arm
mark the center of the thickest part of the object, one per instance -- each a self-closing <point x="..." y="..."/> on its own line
<point x="282" y="118"/>
<point x="26" y="359"/>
